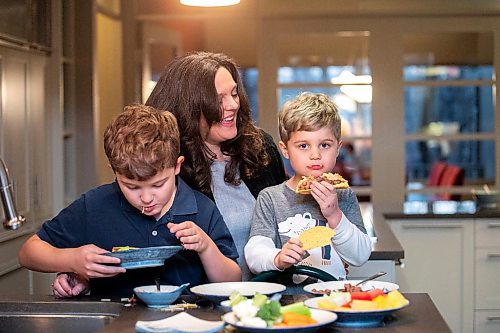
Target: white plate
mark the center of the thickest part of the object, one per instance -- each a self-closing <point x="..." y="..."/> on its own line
<point x="180" y="323"/>
<point x="336" y="285"/>
<point x="217" y="292"/>
<point x="321" y="316"/>
<point x="355" y="318"/>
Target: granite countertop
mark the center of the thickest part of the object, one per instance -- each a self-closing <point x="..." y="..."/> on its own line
<point x="385" y="245"/>
<point x="420" y="316"/>
<point x="443" y="209"/>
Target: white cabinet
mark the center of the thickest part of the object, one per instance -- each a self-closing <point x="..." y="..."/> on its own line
<point x="486" y="284"/>
<point x="439" y="260"/>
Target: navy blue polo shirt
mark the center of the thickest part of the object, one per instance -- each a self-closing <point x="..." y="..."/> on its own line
<point x="103" y="216"/>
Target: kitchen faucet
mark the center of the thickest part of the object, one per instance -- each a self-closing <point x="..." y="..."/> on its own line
<point x="12" y="219"/>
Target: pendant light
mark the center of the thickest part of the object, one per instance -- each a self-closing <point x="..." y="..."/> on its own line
<point x="209" y="3"/>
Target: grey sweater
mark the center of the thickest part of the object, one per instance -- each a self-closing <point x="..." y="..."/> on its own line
<point x="280" y="213"/>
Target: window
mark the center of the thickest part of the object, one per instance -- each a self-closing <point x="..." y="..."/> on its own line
<point x="449" y="116"/>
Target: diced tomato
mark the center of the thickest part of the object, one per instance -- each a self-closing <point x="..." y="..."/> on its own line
<point x="366" y="295"/>
<point x="375" y="292"/>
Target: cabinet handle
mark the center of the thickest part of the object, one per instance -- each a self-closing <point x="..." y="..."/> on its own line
<point x="492" y="318"/>
<point x="431" y="226"/>
<point x="493" y="255"/>
<point x="494" y="225"/>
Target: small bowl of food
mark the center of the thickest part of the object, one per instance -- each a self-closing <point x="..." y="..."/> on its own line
<point x="155" y="298"/>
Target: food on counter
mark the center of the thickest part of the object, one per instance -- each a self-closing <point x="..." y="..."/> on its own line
<point x="123" y="248"/>
<point x="371" y="300"/>
<point x="347" y="288"/>
<point x="316" y="237"/>
<point x="303" y="187"/>
<point x="262" y="312"/>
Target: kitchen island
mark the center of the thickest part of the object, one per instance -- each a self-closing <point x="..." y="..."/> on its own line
<point x="421" y="315"/>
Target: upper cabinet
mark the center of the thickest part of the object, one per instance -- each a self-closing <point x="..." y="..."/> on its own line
<point x="26" y="23"/>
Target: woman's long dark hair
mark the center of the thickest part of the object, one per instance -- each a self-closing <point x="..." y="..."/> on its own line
<point x="187" y="89"/>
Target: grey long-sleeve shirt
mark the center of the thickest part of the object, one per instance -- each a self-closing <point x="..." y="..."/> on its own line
<point x="280" y="213"/>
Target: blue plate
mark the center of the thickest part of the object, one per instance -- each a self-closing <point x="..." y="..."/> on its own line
<point x="145" y="257"/>
<point x="356" y="318"/>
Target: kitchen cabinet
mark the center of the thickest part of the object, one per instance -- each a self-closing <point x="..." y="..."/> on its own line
<point x="486" y="286"/>
<point x="439" y="260"/>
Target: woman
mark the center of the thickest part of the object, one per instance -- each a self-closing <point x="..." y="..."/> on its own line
<point x="226" y="156"/>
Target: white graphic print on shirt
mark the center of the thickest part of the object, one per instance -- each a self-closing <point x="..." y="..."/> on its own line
<point x="293" y="226"/>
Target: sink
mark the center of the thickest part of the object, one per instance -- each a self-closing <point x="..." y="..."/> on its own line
<point x="57" y="316"/>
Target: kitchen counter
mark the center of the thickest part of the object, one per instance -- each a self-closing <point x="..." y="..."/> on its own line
<point x="420" y="316"/>
<point x="385" y="245"/>
<point x="444" y="210"/>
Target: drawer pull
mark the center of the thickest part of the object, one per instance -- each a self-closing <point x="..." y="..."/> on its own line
<point x="493" y="255"/>
<point x="432" y="226"/>
<point x="494" y="225"/>
<point x="493" y="318"/>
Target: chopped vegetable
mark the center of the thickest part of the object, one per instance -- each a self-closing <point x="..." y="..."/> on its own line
<point x="298" y="308"/>
<point x="295" y="319"/>
<point x="260" y="311"/>
<point x="366" y="295"/>
<point x="235" y="298"/>
<point x="259" y="299"/>
<point x="362" y="301"/>
<point x="270" y="312"/>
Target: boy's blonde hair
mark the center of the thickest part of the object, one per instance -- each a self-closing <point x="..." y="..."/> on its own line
<point x="142" y="141"/>
<point x="309" y="112"/>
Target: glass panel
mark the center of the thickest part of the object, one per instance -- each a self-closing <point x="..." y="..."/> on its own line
<point x="449" y="110"/>
<point x="68" y="31"/>
<point x="40" y="11"/>
<point x="475" y="158"/>
<point x="354" y="161"/>
<point x="316" y="74"/>
<point x="440" y="73"/>
<point x="356" y="117"/>
<point x="250" y="77"/>
<point x="13" y="19"/>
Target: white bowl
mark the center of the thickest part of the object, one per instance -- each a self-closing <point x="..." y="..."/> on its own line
<point x="217" y="292"/>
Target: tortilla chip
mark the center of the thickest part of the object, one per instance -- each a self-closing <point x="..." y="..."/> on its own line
<point x="123" y="248"/>
<point x="316" y="237"/>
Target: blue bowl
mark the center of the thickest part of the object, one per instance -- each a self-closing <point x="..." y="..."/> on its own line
<point x="159" y="299"/>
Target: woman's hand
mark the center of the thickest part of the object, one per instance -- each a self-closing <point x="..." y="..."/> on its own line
<point x="325" y="195"/>
<point x="69" y="285"/>
<point x="190" y="235"/>
<point x="291" y="253"/>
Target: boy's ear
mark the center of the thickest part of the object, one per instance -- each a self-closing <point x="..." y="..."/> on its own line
<point x="283" y="149"/>
<point x="180" y="159"/>
<point x="338" y="149"/>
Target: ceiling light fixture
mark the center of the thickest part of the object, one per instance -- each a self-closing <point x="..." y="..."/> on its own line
<point x="209" y="3"/>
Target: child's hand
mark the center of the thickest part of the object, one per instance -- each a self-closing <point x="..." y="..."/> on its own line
<point x="69" y="285"/>
<point x="190" y="235"/>
<point x="291" y="254"/>
<point x="326" y="196"/>
<point x="90" y="263"/>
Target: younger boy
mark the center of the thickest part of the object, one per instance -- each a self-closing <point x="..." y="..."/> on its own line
<point x="309" y="128"/>
<point x="147" y="205"/>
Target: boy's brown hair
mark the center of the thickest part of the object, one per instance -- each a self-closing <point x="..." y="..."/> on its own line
<point x="142" y="141"/>
<point x="309" y="112"/>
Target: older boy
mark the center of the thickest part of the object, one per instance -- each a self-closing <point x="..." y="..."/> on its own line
<point x="147" y="205"/>
<point x="310" y="139"/>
